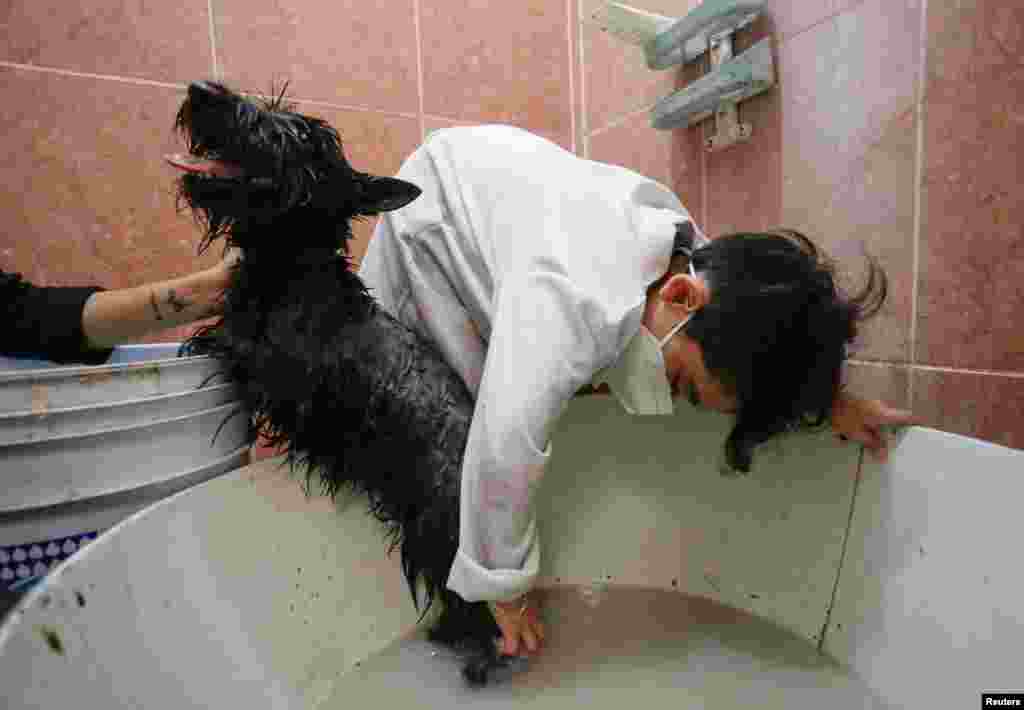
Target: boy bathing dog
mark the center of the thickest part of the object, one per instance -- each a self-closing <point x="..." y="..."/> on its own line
<point x="538" y="273"/>
<point x="505" y="274"/>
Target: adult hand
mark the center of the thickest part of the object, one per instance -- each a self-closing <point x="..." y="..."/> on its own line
<point x="223" y="268"/>
<point x="521" y="629"/>
<point x="862" y="420"/>
<point x="120" y="316"/>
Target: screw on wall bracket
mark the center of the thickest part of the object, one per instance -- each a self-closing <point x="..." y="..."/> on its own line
<point x="728" y="128"/>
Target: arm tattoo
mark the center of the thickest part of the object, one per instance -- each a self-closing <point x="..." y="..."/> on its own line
<point x="177" y="303"/>
<point x="152" y="302"/>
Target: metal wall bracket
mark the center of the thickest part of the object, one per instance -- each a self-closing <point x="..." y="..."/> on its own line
<point x="709" y="29"/>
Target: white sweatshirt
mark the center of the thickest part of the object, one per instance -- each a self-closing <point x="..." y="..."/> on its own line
<point x="528" y="267"/>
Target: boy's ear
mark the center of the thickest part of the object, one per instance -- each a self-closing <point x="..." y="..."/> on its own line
<point x="687" y="291"/>
<point x="384" y="194"/>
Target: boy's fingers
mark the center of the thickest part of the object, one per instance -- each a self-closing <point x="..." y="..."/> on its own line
<point x="530" y="639"/>
<point x="881" y="452"/>
<point x="521" y="633"/>
<point x="862" y="436"/>
<point x="511" y="643"/>
<point x="508" y="643"/>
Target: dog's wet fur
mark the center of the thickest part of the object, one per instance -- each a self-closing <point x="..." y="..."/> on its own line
<point x="354" y="398"/>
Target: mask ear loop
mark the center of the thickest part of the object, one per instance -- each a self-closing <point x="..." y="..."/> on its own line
<point x="675" y="329"/>
<point x="680" y="324"/>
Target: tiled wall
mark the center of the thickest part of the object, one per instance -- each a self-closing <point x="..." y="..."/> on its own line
<point x="896" y="123"/>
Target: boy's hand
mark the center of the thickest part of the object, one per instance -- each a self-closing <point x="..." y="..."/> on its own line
<point x="862" y="420"/>
<point x="521" y="629"/>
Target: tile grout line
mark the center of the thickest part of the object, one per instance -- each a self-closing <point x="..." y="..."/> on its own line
<point x="346" y="107"/>
<point x="569" y="4"/>
<point x="922" y="68"/>
<point x="842" y="551"/>
<point x="581" y="63"/>
<point x="702" y="134"/>
<point x="624" y="118"/>
<point x="962" y="371"/>
<point x="831" y="16"/>
<point x="88" y="75"/>
<point x="184" y="86"/>
<point x="213" y="40"/>
<point x="937" y="368"/>
<point x="705" y="158"/>
<point x="704" y="180"/>
<point x="419" y="69"/>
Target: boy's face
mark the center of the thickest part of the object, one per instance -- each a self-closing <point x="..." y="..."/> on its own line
<point x="690" y="378"/>
<point x="677" y="298"/>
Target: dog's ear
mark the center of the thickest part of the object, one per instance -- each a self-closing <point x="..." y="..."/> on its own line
<point x="384" y="194"/>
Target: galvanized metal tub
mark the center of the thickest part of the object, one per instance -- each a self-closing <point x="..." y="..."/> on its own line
<point x="63" y="469"/>
<point x="43" y="389"/>
<point x="28" y="427"/>
<point x="84" y="447"/>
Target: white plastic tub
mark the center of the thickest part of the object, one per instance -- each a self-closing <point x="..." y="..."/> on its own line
<point x="664" y="585"/>
<point x="34" y="541"/>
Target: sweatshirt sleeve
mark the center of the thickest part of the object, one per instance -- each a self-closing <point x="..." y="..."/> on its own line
<point x="538" y="356"/>
<point x="46" y="322"/>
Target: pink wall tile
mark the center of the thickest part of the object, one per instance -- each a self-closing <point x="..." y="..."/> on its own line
<point x="432" y="123"/>
<point x="795" y="16"/>
<point x="499" y="62"/>
<point x="88" y="197"/>
<point x="160" y="41"/>
<point x="877" y="381"/>
<point x="744" y="182"/>
<point x="670" y="157"/>
<point x="347" y="52"/>
<point x="987" y="407"/>
<point x="971" y="302"/>
<point x="374" y="143"/>
<point x="576" y="74"/>
<point x="848" y="88"/>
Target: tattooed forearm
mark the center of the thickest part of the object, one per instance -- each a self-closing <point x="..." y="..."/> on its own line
<point x="176" y="302"/>
<point x="156" y="309"/>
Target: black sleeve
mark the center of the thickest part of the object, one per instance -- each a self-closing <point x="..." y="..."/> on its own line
<point x="45" y="322"/>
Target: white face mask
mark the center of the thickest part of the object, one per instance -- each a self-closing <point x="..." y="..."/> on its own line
<point x="639" y="379"/>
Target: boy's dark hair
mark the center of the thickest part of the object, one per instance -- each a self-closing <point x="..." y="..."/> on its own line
<point x="775" y="330"/>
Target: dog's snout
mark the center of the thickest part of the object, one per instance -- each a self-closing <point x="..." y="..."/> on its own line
<point x="201" y="89"/>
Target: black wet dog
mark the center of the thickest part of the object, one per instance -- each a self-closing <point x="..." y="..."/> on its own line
<point x="357" y="399"/>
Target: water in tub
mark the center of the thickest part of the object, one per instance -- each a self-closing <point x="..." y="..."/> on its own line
<point x="621" y="648"/>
